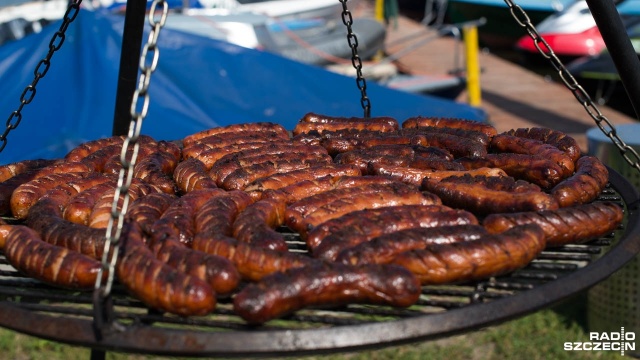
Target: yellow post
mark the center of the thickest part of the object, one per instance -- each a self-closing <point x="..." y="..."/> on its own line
<point x="470" y="35"/>
<point x="379" y="10"/>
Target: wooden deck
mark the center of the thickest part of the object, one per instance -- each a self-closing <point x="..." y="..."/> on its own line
<point x="511" y="95"/>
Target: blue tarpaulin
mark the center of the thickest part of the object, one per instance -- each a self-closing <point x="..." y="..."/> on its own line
<point x="199" y="83"/>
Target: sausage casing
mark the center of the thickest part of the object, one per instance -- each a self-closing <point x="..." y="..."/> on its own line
<point x="327" y="285"/>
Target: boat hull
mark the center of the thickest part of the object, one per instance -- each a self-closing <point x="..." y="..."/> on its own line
<point x="501" y="29"/>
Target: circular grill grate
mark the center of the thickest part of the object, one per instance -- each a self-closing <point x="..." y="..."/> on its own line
<point x="31" y="307"/>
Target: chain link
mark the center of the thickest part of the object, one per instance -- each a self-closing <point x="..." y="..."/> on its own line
<point x="629" y="154"/>
<point x="356" y="61"/>
<point x="128" y="156"/>
<point x="40" y="71"/>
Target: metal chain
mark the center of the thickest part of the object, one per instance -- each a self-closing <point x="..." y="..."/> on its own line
<point x="352" y="39"/>
<point x="628" y="153"/>
<point x="40" y="71"/>
<point x="129" y="153"/>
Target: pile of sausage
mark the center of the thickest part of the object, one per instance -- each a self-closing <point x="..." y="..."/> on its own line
<point x="383" y="208"/>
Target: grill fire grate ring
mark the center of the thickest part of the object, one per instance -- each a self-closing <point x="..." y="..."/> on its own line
<point x="31" y="307"/>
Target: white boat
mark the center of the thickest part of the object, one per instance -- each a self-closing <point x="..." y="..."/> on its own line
<point x="19" y="18"/>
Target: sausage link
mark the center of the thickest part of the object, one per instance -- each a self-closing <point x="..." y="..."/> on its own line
<point x="16" y="168"/>
<point x="253" y="263"/>
<point x="351" y="123"/>
<point x="191" y="175"/>
<point x="209" y="153"/>
<point x="85" y="149"/>
<point x="236" y="129"/>
<point x="178" y="220"/>
<point x="257" y="223"/>
<point x="470" y="193"/>
<point x="78" y="208"/>
<point x="215" y="270"/>
<point x="221" y="169"/>
<point x="157" y="284"/>
<point x="146" y="210"/>
<point x="26" y="195"/>
<point x="241" y="178"/>
<point x="383" y="249"/>
<point x="217" y="215"/>
<point x="326" y="119"/>
<point x="414" y="176"/>
<point x="556" y="138"/>
<point x="325" y="285"/>
<point x="158" y="168"/>
<point x="519" y="145"/>
<point x="491" y="255"/>
<point x="533" y="168"/>
<point x="101" y="212"/>
<point x="576" y="224"/>
<point x="442" y="122"/>
<point x="476" y="136"/>
<point x="456" y="145"/>
<point x="309" y="214"/>
<point x="585" y="185"/>
<point x="373" y="223"/>
<point x="29" y="254"/>
<point x="282" y="180"/>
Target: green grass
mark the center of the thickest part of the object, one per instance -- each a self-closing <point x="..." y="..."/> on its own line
<point x="537" y="336"/>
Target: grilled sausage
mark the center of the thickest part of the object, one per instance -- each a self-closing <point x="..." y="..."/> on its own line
<point x="158" y="168"/>
<point x="16" y="174"/>
<point x="147" y="147"/>
<point x="256" y="224"/>
<point x="253" y="263"/>
<point x="456" y="145"/>
<point x="315" y="137"/>
<point x="363" y="225"/>
<point x="357" y="232"/>
<point x="241" y="178"/>
<point x="325" y="119"/>
<point x="312" y="211"/>
<point x="491" y="255"/>
<point x="556" y="138"/>
<point x="85" y="149"/>
<point x="146" y="210"/>
<point x="191" y="175"/>
<point x="283" y="293"/>
<point x="29" y="254"/>
<point x="20" y="167"/>
<point x="473" y="194"/>
<point x="178" y="220"/>
<point x="585" y="185"/>
<point x="413" y="176"/>
<point x="215" y="270"/>
<point x="157" y="284"/>
<point x="25" y="195"/>
<point x="576" y="224"/>
<point x="78" y="208"/>
<point x="477" y="136"/>
<point x="282" y="180"/>
<point x="221" y="169"/>
<point x="210" y="152"/>
<point x="442" y="122"/>
<point x="351" y="123"/>
<point x="383" y="249"/>
<point x="216" y="216"/>
<point x="101" y="212"/>
<point x="236" y="129"/>
<point x="519" y="145"/>
<point x="533" y="168"/>
<point x="307" y="188"/>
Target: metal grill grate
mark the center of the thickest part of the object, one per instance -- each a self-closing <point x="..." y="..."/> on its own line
<point x="442" y="310"/>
